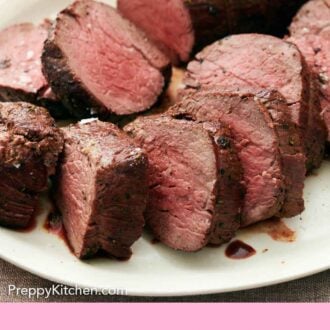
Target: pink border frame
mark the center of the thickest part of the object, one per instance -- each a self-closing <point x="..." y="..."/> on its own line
<point x="165" y="316"/>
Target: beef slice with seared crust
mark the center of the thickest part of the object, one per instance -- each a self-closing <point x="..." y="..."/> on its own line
<point x="292" y="152"/>
<point x="101" y="189"/>
<point x="97" y="62"/>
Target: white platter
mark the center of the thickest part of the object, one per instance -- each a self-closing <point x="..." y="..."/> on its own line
<point x="155" y="270"/>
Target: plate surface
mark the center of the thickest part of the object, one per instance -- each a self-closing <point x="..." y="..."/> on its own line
<point x="155" y="270"/>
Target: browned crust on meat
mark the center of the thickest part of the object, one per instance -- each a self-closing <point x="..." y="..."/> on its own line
<point x="231" y="191"/>
<point x="30" y="145"/>
<point x="307" y="107"/>
<point x="214" y="19"/>
<point x="67" y="86"/>
<point x="37" y="133"/>
<point x="305" y="28"/>
<point x="290" y="145"/>
<point x="55" y="108"/>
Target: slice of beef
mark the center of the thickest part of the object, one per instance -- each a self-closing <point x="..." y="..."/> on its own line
<point x="179" y="26"/>
<point x="228" y="210"/>
<point x="256" y="141"/>
<point x="97" y="62"/>
<point x="264" y="62"/>
<point x="29" y="147"/>
<point x="21" y="77"/>
<point x="291" y="149"/>
<point x="101" y="189"/>
<point x="310" y="31"/>
<point x="189" y="168"/>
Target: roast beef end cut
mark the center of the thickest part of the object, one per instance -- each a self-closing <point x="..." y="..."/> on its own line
<point x="30" y="145"/>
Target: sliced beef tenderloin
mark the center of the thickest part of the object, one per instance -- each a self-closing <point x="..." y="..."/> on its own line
<point x="290" y="144"/>
<point x="256" y="141"/>
<point x="179" y="26"/>
<point x="97" y="62"/>
<point x="101" y="189"/>
<point x="264" y="62"/>
<point x="189" y="173"/>
<point x="21" y="77"/>
<point x="310" y="31"/>
<point x="291" y="149"/>
<point x="29" y="147"/>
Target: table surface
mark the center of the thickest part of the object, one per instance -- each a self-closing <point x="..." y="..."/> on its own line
<point x="311" y="289"/>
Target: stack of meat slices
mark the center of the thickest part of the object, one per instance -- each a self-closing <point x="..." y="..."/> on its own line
<point x="261" y="90"/>
<point x="265" y="62"/>
<point x="219" y="161"/>
<point x="269" y="150"/>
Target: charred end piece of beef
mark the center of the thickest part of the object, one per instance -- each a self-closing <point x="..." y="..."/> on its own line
<point x="30" y="145"/>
